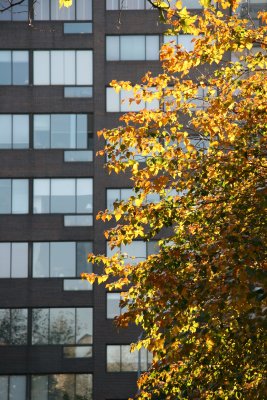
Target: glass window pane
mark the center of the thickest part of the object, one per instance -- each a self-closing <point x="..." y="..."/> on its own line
<point x="113" y="358"/>
<point x="62" y="259"/>
<point x="63" y="13"/>
<point x="4" y="385"/>
<point x="39" y="385"/>
<point x="62" y="195"/>
<point x="5" y="257"/>
<point x="112" y="196"/>
<point x="21" y="131"/>
<point x="78" y="156"/>
<point x="5" y="67"/>
<point x="132" y="4"/>
<point x="40" y="321"/>
<point x="63" y="131"/>
<point x="113" y="305"/>
<point x="57" y="67"/>
<point x="126" y="105"/>
<point x="19" y="319"/>
<point x="81" y="140"/>
<point x="41" y="68"/>
<point x="112" y="4"/>
<point x="20" y="196"/>
<point x="41" y="131"/>
<point x="84" y="67"/>
<point x="84" y="326"/>
<point x="78" y="220"/>
<point x="5" y="131"/>
<point x="113" y="100"/>
<point x="76" y="284"/>
<point x="78" y="352"/>
<point x="41" y="196"/>
<point x="20" y="67"/>
<point x="83" y="249"/>
<point x="136" y="249"/>
<point x="69" y="67"/>
<point x="5" y="196"/>
<point x="192" y="4"/>
<point x="84" y="195"/>
<point x="78" y="91"/>
<point x="17" y="388"/>
<point x="112" y="48"/>
<point x="5" y="327"/>
<point x="78" y="27"/>
<point x="5" y="16"/>
<point x="84" y="9"/>
<point x="84" y="386"/>
<point x="186" y="42"/>
<point x="62" y="326"/>
<point x="19" y="264"/>
<point x="129" y="361"/>
<point x="61" y="387"/>
<point x="41" y="10"/>
<point x="40" y="260"/>
<point x="152" y="47"/>
<point x="132" y="47"/>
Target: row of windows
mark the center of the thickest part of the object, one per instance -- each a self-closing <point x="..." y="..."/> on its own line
<point x="49" y="196"/>
<point x="120" y="359"/>
<point x="45" y="10"/>
<point x="49" y="131"/>
<point x="145" y="5"/>
<point x="49" y="326"/>
<point x="142" y="47"/>
<point x="60" y="259"/>
<point x="49" y="259"/>
<point x="44" y="387"/>
<point x="120" y="102"/>
<point x="50" y="67"/>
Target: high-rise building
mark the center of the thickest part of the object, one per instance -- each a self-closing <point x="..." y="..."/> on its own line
<point x="57" y="336"/>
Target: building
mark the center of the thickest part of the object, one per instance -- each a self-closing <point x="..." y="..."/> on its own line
<point x="57" y="336"/>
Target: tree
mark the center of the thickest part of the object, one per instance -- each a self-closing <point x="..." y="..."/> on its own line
<point x="201" y="300"/>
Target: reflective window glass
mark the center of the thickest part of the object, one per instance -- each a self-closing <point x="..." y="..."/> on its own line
<point x="62" y="326"/>
<point x="49" y="10"/>
<point x="5" y="67"/>
<point x="5" y="131"/>
<point x="63" y="67"/>
<point x="60" y="259"/>
<point x="14" y="196"/>
<point x="20" y="69"/>
<point x="113" y="305"/>
<point x="132" y="47"/>
<point x="13" y="326"/>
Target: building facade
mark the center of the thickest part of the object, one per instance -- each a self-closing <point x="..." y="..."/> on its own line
<point x="57" y="336"/>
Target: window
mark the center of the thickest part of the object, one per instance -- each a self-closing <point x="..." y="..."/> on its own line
<point x="70" y="327"/>
<point x="14" y="196"/>
<point x="136" y="251"/>
<point x="132" y="47"/>
<point x="60" y="259"/>
<point x="184" y="40"/>
<point x="56" y="386"/>
<point x="49" y="10"/>
<point x="14" y="260"/>
<point x="13" y="387"/>
<point x="63" y="67"/>
<point x="127" y="5"/>
<point x="14" y="132"/>
<point x="116" y="195"/>
<point x="144" y="4"/>
<point x="120" y="359"/>
<point x="18" y="12"/>
<point x="13" y="326"/>
<point x="14" y="67"/>
<point x="119" y="102"/>
<point x="63" y="131"/>
<point x="63" y="196"/>
<point x="113" y="305"/>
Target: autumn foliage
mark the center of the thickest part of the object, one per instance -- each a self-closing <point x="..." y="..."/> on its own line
<point x="200" y="144"/>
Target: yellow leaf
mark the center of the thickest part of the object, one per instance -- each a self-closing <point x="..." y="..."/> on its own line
<point x="65" y="3"/>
